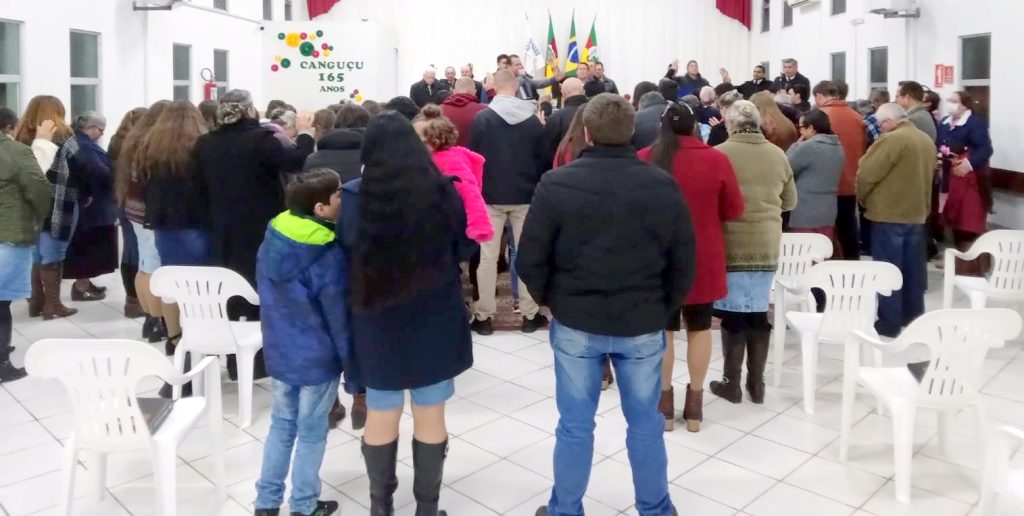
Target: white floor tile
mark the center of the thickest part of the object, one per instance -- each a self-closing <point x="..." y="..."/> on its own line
<point x="786" y="499"/>
<point x="359" y="489"/>
<point x="725" y="483"/>
<point x="542" y="415"/>
<point x="839" y="482"/>
<point x="506" y="342"/>
<point x="30" y="462"/>
<point x="38" y="493"/>
<point x="453" y="502"/>
<point x="923" y="503"/>
<point x="517" y="484"/>
<point x="507" y="367"/>
<point x="343" y="464"/>
<point x="24" y="435"/>
<point x="944" y="478"/>
<point x="504" y="437"/>
<point x="506" y="398"/>
<point x="741" y="416"/>
<point x="797" y="434"/>
<point x="541" y="381"/>
<point x="464" y="459"/>
<point x="591" y="507"/>
<point x="540" y="353"/>
<point x="473" y="381"/>
<point x="766" y="457"/>
<point x="463" y="415"/>
<point x="241" y="462"/>
<point x="139" y="496"/>
<point x="611" y="483"/>
<point x="712" y="438"/>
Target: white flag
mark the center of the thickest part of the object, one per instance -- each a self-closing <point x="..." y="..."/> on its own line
<point x="532" y="60"/>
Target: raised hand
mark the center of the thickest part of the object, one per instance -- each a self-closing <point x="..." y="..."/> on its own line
<point x="45" y="130"/>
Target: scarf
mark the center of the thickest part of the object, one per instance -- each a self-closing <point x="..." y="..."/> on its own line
<point x="61" y="221"/>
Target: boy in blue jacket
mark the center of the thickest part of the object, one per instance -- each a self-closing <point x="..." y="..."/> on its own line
<point x="299" y="273"/>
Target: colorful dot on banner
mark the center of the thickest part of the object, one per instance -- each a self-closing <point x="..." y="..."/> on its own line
<point x="319" y="33"/>
<point x="316" y="53"/>
<point x="306" y="48"/>
<point x="327" y="53"/>
<point x="355" y="92"/>
<point x="359" y="98"/>
<point x="351" y="95"/>
<point x="312" y="37"/>
<point x="303" y="35"/>
<point x="274" y="68"/>
<point x="280" y="35"/>
<point x="278" y="58"/>
<point x="332" y="47"/>
<point x="325" y="46"/>
<point x="285" y="63"/>
<point x="292" y="40"/>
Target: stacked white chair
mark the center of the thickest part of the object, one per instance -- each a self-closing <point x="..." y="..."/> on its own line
<point x="998" y="480"/>
<point x="101" y="377"/>
<point x="797" y="253"/>
<point x="851" y="303"/>
<point x="951" y="379"/>
<point x="201" y="294"/>
<point x="1006" y="281"/>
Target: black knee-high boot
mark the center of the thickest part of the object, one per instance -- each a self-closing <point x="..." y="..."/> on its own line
<point x="758" y="335"/>
<point x="734" y="343"/>
<point x="380" y="467"/>
<point x="8" y="373"/>
<point x="428" y="464"/>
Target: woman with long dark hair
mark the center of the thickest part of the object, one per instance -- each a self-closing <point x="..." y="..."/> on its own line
<point x="640" y="90"/>
<point x="402" y="228"/>
<point x="573" y="142"/>
<point x="130" y="243"/>
<point x="708" y="184"/>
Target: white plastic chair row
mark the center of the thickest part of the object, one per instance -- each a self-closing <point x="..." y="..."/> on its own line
<point x="101" y="377"/>
<point x="797" y="253"/>
<point x="201" y="294"/>
<point x="998" y="479"/>
<point x="1006" y="281"/>
<point x="952" y="378"/>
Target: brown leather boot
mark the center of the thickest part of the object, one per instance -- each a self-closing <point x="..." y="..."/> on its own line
<point x="358" y="411"/>
<point x="52" y="307"/>
<point x="667" y="407"/>
<point x="693" y="410"/>
<point x="608" y="379"/>
<point x="36" y="300"/>
<point x="336" y="414"/>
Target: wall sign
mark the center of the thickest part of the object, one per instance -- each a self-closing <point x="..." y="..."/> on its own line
<point x="947" y="74"/>
<point x="940" y="75"/>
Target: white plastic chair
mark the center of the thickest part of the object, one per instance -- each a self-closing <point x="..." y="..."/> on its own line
<point x="958" y="341"/>
<point x="997" y="478"/>
<point x="798" y="252"/>
<point x="1006" y="281"/>
<point x="202" y="294"/>
<point x="101" y="378"/>
<point x="851" y="303"/>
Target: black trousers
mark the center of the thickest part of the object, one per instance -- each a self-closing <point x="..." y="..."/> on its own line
<point x="6" y="330"/>
<point x="846" y="228"/>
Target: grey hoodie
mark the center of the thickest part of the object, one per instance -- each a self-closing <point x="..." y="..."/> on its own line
<point x="513" y="110"/>
<point x="817" y="165"/>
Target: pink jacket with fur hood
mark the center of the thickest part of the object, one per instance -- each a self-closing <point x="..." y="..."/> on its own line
<point x="468" y="166"/>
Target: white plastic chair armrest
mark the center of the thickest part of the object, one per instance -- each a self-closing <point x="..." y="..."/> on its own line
<point x="791" y="287"/>
<point x="970" y="254"/>
<point x="199" y="368"/>
<point x="895" y="346"/>
<point x="1009" y="433"/>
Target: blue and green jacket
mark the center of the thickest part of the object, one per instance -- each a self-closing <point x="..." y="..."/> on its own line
<point x="300" y="278"/>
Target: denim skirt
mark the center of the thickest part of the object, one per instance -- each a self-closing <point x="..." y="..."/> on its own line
<point x="183" y="247"/>
<point x="749" y="291"/>
<point x="15" y="271"/>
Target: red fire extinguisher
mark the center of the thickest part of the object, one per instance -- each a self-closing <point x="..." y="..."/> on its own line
<point x="210" y="84"/>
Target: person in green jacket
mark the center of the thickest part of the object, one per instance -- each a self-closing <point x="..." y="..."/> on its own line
<point x="24" y="201"/>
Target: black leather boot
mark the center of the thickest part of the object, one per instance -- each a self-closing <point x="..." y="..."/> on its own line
<point x="757" y="356"/>
<point x="733" y="345"/>
<point x="428" y="465"/>
<point x="380" y="467"/>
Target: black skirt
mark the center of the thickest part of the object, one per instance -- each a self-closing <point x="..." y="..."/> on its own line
<point x="91" y="253"/>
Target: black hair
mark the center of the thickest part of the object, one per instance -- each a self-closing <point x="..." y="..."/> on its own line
<point x="723" y="88"/>
<point x="439" y="96"/>
<point x="8" y="119"/>
<point x="274" y="104"/>
<point x="826" y="88"/>
<point x="406" y="226"/>
<point x="912" y="89"/>
<point x="404" y="106"/>
<point x="668" y="88"/>
<point x="678" y="120"/>
<point x="640" y="90"/>
<point x="307" y="189"/>
<point x="761" y="67"/>
<point x="818" y="120"/>
<point x="842" y="89"/>
<point x="802" y="90"/>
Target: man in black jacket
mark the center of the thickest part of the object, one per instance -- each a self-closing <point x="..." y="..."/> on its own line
<point x="609" y="246"/>
<point x="421" y="92"/>
<point x="790" y="75"/>
<point x="757" y="84"/>
<point x="508" y="135"/>
<point x="558" y="123"/>
<point x="691" y="82"/>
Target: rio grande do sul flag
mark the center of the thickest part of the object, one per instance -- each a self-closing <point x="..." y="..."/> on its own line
<point x="551" y="55"/>
<point x="590" y="52"/>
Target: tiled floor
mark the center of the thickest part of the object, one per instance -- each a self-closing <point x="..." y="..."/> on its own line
<point x="748" y="460"/>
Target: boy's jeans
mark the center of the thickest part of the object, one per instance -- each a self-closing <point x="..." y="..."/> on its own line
<point x="299" y="418"/>
<point x="579" y="358"/>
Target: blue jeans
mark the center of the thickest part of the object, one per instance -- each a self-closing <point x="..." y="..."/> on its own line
<point x="299" y="419"/>
<point x="182" y="246"/>
<point x="512" y="274"/>
<point x="903" y="245"/>
<point x="579" y="362"/>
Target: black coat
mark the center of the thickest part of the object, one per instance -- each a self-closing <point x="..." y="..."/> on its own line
<point x="749" y="88"/>
<point x="647" y="124"/>
<point x="339" y="151"/>
<point x="608" y="244"/>
<point x="421" y="93"/>
<point x="240" y="166"/>
<point x="91" y="170"/>
<point x="782" y="83"/>
<point x="688" y="85"/>
<point x="558" y="126"/>
<point x="514" y="156"/>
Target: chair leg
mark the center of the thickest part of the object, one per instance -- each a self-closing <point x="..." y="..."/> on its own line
<point x="779" y="336"/>
<point x="982" y="430"/>
<point x="99" y="476"/>
<point x="993" y="474"/>
<point x="67" y="474"/>
<point x="809" y="358"/>
<point x="246" y="359"/>
<point x="179" y="366"/>
<point x="903" y="447"/>
<point x="198" y="386"/>
<point x="851" y="366"/>
<point x="945" y="431"/>
<point x="165" y="476"/>
<point x="978" y="299"/>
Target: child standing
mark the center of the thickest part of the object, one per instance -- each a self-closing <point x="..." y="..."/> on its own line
<point x="299" y="277"/>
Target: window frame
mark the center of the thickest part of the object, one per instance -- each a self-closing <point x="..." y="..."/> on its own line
<point x="225" y="5"/>
<point x="767" y="70"/>
<point x="289" y="13"/>
<point x="872" y="84"/>
<point x="16" y="78"/>
<point x="268" y="10"/>
<point x="836" y="12"/>
<point x="832" y="65"/>
<point x="975" y="82"/>
<point x="87" y="81"/>
<point x="787" y="14"/>
<point x="187" y="82"/>
<point x="219" y="81"/>
<point x="766" y="16"/>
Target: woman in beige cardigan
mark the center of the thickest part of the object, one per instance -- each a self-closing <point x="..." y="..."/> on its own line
<point x="751" y="250"/>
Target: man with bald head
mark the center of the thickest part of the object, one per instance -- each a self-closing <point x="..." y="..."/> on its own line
<point x="421" y="92"/>
<point x="573" y="99"/>
<point x="467" y="72"/>
<point x="508" y="135"/>
<point x="461" y="107"/>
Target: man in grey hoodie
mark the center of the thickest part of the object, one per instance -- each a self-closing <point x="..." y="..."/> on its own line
<point x="508" y="135"/>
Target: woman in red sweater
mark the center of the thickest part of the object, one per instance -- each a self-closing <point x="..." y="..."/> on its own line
<point x="709" y="186"/>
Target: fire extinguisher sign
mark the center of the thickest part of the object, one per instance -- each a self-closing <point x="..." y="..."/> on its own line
<point x="940" y="73"/>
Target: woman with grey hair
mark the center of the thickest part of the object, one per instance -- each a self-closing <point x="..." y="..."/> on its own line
<point x="719" y="134"/>
<point x="752" y="250"/>
<point x="92" y="250"/>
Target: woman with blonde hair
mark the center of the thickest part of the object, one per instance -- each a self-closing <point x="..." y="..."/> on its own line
<point x="130" y="248"/>
<point x="776" y="126"/>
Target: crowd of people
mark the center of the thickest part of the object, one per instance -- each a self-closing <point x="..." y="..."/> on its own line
<point x="630" y="221"/>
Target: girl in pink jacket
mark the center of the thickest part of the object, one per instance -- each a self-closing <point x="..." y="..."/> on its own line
<point x="440" y="135"/>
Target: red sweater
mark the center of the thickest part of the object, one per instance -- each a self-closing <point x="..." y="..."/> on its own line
<point x="849" y="127"/>
<point x="706" y="178"/>
<point x="460" y="108"/>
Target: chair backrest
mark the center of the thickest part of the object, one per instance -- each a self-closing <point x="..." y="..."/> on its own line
<point x="201" y="294"/>
<point x="798" y="252"/>
<point x="101" y="377"/>
<point x="851" y="294"/>
<point x="959" y="339"/>
<point x="1007" y="249"/>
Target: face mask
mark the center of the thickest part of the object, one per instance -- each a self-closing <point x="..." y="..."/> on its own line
<point x="952" y="107"/>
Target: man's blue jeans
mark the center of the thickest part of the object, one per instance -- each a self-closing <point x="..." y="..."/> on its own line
<point x="905" y="246"/>
<point x="299" y="419"/>
<point x="579" y="359"/>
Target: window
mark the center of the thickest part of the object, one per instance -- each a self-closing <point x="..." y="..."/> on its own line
<point x="767" y="72"/>
<point x="787" y="14"/>
<point x="10" y="64"/>
<point x="220" y="4"/>
<point x="182" y="62"/>
<point x="766" y="15"/>
<point x="839" y="66"/>
<point x="85" y="72"/>
<point x="268" y="10"/>
<point x="976" y="70"/>
<point x="220" y="71"/>
<point x="838" y="7"/>
<point x="878" y="74"/>
<point x="287" y="10"/>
